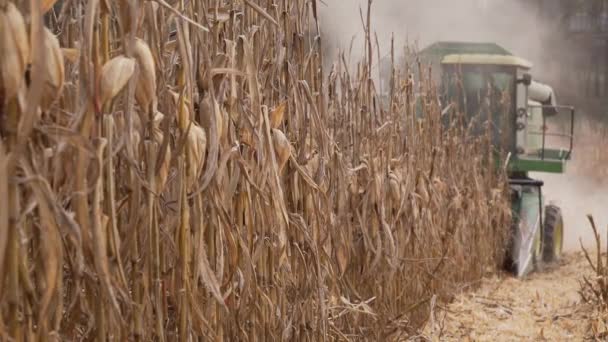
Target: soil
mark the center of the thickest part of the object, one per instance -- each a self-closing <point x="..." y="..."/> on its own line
<point x="545" y="306"/>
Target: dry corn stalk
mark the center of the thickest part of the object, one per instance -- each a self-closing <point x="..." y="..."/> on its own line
<point x="179" y="226"/>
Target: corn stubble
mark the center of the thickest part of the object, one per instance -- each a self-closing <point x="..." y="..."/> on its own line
<point x="214" y="185"/>
<point x="594" y="290"/>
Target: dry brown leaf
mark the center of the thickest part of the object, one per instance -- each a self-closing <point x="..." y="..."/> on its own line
<point x="276" y="117"/>
<point x="208" y="276"/>
<point x="46" y="5"/>
<point x="246" y="137"/>
<point x="207" y="109"/>
<point x="52" y="256"/>
<point x="100" y="227"/>
<point x="71" y="54"/>
<point x="342" y="258"/>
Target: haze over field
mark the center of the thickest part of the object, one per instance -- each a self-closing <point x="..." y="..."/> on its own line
<point x="506" y="22"/>
<point x="582" y="190"/>
<point x="422" y="22"/>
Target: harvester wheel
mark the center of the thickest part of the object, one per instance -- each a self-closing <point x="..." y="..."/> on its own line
<point x="554" y="233"/>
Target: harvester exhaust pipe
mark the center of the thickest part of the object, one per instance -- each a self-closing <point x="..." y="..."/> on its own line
<point x="544" y="94"/>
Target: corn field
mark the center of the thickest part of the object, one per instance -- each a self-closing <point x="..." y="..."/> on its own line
<point x="186" y="170"/>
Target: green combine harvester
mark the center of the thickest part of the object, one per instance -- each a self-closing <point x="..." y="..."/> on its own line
<point x="492" y="86"/>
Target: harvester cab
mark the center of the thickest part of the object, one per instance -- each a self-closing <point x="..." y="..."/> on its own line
<point x="498" y="96"/>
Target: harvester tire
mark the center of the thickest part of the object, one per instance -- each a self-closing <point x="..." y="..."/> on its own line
<point x="553" y="231"/>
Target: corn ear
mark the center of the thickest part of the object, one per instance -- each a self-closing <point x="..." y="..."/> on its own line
<point x="114" y="76"/>
<point x="54" y="73"/>
<point x="145" y="91"/>
<point x="282" y="148"/>
<point x="14" y="50"/>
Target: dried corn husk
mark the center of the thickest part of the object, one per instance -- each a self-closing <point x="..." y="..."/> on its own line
<point x="114" y="76"/>
<point x="14" y="50"/>
<point x="207" y="105"/>
<point x="218" y="15"/>
<point x="282" y="148"/>
<point x="313" y="162"/>
<point x="71" y="54"/>
<point x="145" y="92"/>
<point x="196" y="150"/>
<point x="158" y="136"/>
<point x="394" y="181"/>
<point x="246" y="137"/>
<point x="276" y="117"/>
<point x="183" y="111"/>
<point x="53" y="70"/>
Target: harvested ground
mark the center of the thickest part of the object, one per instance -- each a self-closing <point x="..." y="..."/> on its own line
<point x="545" y="306"/>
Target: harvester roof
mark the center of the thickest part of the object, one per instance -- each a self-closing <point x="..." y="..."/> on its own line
<point x="450" y="48"/>
<point x="486" y="59"/>
<point x="471" y="53"/>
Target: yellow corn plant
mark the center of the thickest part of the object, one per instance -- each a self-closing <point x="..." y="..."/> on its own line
<point x="190" y="171"/>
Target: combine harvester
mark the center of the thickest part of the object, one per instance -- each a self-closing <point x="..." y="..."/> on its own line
<point x="489" y="84"/>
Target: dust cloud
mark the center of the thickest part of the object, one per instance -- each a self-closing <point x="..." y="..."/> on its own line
<point x="421" y="22"/>
<point x="512" y="24"/>
<point x="577" y="197"/>
<point x="583" y="189"/>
